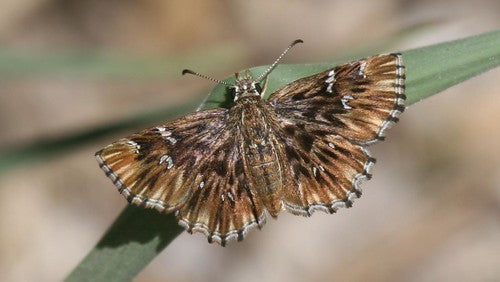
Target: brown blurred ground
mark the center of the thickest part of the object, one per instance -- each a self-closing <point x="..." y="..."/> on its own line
<point x="431" y="213"/>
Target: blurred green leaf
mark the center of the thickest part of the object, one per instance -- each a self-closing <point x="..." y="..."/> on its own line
<point x="120" y="255"/>
<point x="89" y="64"/>
<point x="12" y="157"/>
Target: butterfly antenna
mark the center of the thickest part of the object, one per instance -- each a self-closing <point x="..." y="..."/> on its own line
<point x="271" y="67"/>
<point x="205" y="77"/>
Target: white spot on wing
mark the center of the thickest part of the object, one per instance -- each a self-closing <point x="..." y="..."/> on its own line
<point x="167" y="159"/>
<point x="361" y="71"/>
<point x="345" y="99"/>
<point x="135" y="145"/>
<point x="331" y="77"/>
<point x="132" y="143"/>
<point x="202" y="184"/>
<point x="230" y="196"/>
<point x="331" y="145"/>
<point x="330" y="80"/>
<point x="329" y="88"/>
<point x="164" y="133"/>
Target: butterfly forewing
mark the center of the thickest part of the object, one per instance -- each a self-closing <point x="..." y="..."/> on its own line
<point x="358" y="100"/>
<point x="156" y="167"/>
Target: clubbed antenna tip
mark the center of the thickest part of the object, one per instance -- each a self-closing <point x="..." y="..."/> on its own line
<point x="187" y="71"/>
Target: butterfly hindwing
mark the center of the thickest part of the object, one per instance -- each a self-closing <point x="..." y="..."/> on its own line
<point x="358" y="100"/>
<point x="224" y="207"/>
<point x="322" y="170"/>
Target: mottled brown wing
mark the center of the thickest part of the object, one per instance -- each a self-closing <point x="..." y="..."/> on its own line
<point x="154" y="168"/>
<point x="192" y="166"/>
<point x="324" y="122"/>
<point x="358" y="100"/>
<point x="322" y="170"/>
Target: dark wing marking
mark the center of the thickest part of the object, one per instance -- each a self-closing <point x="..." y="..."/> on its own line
<point x="358" y="101"/>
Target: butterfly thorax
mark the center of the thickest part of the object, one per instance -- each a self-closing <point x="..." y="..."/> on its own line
<point x="258" y="146"/>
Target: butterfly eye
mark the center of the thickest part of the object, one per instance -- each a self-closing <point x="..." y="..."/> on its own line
<point x="234" y="88"/>
<point x="258" y="88"/>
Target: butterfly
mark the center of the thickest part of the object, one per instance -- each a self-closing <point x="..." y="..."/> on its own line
<point x="224" y="170"/>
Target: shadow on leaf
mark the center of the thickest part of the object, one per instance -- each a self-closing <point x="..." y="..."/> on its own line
<point x="140" y="225"/>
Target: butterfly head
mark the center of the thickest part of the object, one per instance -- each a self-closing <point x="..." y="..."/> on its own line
<point x="245" y="86"/>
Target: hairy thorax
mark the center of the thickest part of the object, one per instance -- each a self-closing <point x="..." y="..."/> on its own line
<point x="260" y="154"/>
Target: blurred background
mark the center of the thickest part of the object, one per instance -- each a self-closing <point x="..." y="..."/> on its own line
<point x="76" y="75"/>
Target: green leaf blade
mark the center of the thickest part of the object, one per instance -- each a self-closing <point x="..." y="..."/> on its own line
<point x="134" y="239"/>
<point x="432" y="69"/>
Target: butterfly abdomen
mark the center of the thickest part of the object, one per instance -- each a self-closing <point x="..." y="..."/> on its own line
<point x="259" y="152"/>
<point x="265" y="176"/>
